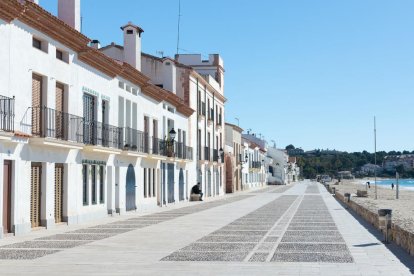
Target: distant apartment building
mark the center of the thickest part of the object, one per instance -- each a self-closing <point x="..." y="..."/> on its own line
<point x="233" y="157"/>
<point x="253" y="170"/>
<point x="85" y="132"/>
<point x="392" y="161"/>
<point x="370" y="168"/>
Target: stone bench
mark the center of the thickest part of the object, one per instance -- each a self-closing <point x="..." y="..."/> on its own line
<point x="195" y="197"/>
<point x="362" y="193"/>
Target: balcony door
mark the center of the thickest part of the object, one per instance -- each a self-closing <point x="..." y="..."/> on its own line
<point x="7" y="196"/>
<point x="59" y="105"/>
<point x="89" y="135"/>
<point x="35" y="194"/>
<point x="37" y="87"/>
<point x="146" y="134"/>
<point x="105" y="129"/>
<point x="58" y="192"/>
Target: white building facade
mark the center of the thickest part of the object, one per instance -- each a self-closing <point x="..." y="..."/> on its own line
<point x="84" y="133"/>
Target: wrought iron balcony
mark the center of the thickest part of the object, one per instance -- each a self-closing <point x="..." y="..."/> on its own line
<point x="256" y="164"/>
<point x="134" y="140"/>
<point x="215" y="155"/>
<point x="207" y="153"/>
<point x="6" y="113"/>
<point x="48" y="122"/>
<point x="98" y="133"/>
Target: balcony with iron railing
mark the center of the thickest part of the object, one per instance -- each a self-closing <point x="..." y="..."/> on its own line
<point x="50" y="123"/>
<point x="256" y="164"/>
<point x="215" y="155"/>
<point x="207" y="153"/>
<point x="6" y="113"/>
<point x="100" y="134"/>
<point x="211" y="114"/>
<point x="219" y="121"/>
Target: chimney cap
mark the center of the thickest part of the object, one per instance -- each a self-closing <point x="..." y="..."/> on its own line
<point x="129" y="24"/>
<point x="95" y="41"/>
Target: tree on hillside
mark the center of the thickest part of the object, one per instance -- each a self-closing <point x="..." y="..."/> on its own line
<point x="290" y="147"/>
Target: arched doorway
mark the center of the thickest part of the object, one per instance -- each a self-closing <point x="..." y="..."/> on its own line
<point x="130" y="189"/>
<point x="181" y="185"/>
<point x="229" y="175"/>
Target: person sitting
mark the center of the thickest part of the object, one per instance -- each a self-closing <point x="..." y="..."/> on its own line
<point x="196" y="190"/>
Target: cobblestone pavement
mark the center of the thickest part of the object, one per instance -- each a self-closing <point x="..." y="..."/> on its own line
<point x="292" y="230"/>
<point x="54" y="243"/>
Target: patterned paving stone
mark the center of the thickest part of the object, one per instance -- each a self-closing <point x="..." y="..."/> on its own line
<point x="21" y="254"/>
<point x="46" y="244"/>
<point x="101" y="231"/>
<point x="207" y="256"/>
<point x="330" y="257"/>
<point x="237" y="232"/>
<point x="294" y="224"/>
<point x="78" y="237"/>
<point x="258" y="257"/>
<point x="315" y="228"/>
<point x="312" y="239"/>
<point x="267" y="246"/>
<point x="230" y="239"/>
<point x="146" y="223"/>
<point x="115" y="226"/>
<point x="311" y="247"/>
<point x="271" y="239"/>
<point x="200" y="246"/>
<point x="245" y="227"/>
<point x="312" y="233"/>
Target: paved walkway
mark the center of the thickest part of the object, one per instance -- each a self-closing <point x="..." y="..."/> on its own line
<point x="298" y="230"/>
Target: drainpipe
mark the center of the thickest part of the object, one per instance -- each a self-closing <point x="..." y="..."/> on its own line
<point x="214" y="139"/>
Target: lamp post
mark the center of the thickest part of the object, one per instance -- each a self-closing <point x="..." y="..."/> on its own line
<point x="170" y="143"/>
<point x="241" y="169"/>
<point x="221" y="151"/>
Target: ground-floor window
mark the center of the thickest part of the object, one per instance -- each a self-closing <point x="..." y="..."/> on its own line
<point x="145" y="182"/>
<point x="101" y="184"/>
<point x="93" y="175"/>
<point x="85" y="184"/>
<point x="153" y="182"/>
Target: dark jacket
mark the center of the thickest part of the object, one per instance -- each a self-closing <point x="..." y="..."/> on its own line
<point x="195" y="190"/>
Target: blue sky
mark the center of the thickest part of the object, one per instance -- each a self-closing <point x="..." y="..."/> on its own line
<point x="308" y="73"/>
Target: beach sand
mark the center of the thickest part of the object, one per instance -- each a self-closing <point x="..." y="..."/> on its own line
<point x="402" y="208"/>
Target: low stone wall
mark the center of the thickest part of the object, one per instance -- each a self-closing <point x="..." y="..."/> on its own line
<point x="398" y="235"/>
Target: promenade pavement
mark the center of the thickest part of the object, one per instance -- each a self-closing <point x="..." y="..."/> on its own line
<point x="279" y="230"/>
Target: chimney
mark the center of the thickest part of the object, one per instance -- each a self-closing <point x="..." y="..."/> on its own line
<point x="69" y="12"/>
<point x="132" y="45"/>
<point x="95" y="44"/>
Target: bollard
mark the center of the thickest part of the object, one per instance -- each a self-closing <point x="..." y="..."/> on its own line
<point x="347" y="196"/>
<point x="384" y="222"/>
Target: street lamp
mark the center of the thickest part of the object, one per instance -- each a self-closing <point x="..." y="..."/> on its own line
<point x="221" y="151"/>
<point x="172" y="134"/>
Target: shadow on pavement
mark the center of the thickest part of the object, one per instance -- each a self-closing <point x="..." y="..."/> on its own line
<point x="398" y="252"/>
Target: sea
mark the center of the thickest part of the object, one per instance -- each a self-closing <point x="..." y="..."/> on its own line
<point x="407" y="183"/>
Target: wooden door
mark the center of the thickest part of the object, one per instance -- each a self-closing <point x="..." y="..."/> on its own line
<point x="7" y="196"/>
<point x="36" y="104"/>
<point x="35" y="194"/>
<point x="59" y="102"/>
<point x="58" y="192"/>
